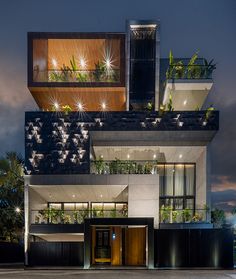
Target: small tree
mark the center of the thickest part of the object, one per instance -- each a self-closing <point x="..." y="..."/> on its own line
<point x="218" y="217"/>
<point x="11" y="196"/>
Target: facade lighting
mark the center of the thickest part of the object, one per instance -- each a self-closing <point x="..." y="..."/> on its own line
<point x="17" y="210"/>
<point x="54" y="63"/>
<point x="83" y="63"/>
<point x="103" y="105"/>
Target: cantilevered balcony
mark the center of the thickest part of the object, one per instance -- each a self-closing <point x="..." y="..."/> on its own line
<point x="187" y="85"/>
<point x="72" y="69"/>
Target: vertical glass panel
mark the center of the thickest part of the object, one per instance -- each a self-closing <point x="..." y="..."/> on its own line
<point x="179" y="204"/>
<point x="160" y="171"/>
<point x="190" y="177"/>
<point x="179" y="180"/>
<point x="190" y="203"/>
<point x="169" y="179"/>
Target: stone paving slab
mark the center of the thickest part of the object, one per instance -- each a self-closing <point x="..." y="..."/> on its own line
<point x="116" y="274"/>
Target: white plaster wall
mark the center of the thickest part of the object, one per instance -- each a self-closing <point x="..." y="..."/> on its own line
<point x="201" y="179"/>
<point x="143" y="197"/>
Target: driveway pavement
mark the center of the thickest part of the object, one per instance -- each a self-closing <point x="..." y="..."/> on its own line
<point x="116" y="274"/>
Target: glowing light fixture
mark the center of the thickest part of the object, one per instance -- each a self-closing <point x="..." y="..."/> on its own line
<point x="185" y="102"/>
<point x="17" y="210"/>
<point x="54" y="63"/>
<point x="56" y="106"/>
<point x="103" y="105"/>
<point x="128" y="156"/>
<point x="83" y="63"/>
<point x="73" y="196"/>
<point x="80" y="106"/>
<point x="101" y="196"/>
<point x="108" y="64"/>
<point x="180" y="156"/>
<point x="154" y="156"/>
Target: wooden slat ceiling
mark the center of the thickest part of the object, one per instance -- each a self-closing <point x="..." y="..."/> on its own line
<point x="90" y="97"/>
<point x="91" y="50"/>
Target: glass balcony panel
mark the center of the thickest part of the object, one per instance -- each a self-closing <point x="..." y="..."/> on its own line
<point x="179" y="180"/>
<point x="169" y="180"/>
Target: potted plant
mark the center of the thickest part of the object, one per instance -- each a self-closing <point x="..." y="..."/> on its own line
<point x="66" y="219"/>
<point x="99" y="71"/>
<point x="165" y="213"/>
<point x="186" y="215"/>
<point x="124" y="210"/>
<point x="99" y="165"/>
<point x="174" y="216"/>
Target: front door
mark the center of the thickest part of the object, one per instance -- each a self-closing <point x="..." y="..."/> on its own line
<point x="102" y="253"/>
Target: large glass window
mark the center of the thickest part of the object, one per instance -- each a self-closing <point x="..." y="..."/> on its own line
<point x="177" y="186"/>
<point x="190" y="178"/>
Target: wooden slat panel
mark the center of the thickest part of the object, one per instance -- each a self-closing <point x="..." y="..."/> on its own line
<point x="90" y="97"/>
<point x="116" y="256"/>
<point x="135" y="246"/>
<point x="91" y="50"/>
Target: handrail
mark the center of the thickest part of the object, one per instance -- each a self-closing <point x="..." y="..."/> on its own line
<point x="81" y="76"/>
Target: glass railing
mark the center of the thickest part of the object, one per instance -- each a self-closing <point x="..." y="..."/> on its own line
<point x="169" y="216"/>
<point x="124" y="167"/>
<point x="79" y="76"/>
<point x="189" y="72"/>
<point x="57" y="216"/>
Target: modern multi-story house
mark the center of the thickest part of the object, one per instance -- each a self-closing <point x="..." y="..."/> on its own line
<point x="117" y="156"/>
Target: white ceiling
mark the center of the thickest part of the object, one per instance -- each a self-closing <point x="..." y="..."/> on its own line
<point x="162" y="153"/>
<point x="82" y="193"/>
<point x="187" y="95"/>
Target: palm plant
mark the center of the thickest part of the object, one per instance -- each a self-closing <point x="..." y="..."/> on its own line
<point x="209" y="67"/>
<point x="12" y="196"/>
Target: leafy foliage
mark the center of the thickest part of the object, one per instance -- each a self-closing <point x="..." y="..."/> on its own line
<point x="11" y="196"/>
<point x="218" y="217"/>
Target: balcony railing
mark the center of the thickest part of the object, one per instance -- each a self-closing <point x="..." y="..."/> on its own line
<point x="58" y="216"/>
<point x="180" y="71"/>
<point x="78" y="76"/>
<point x="124" y="167"/>
<point x="169" y="216"/>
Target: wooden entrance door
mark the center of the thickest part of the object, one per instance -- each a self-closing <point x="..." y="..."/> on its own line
<point x="135" y="246"/>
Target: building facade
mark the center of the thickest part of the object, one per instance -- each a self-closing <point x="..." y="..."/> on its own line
<point x="118" y="153"/>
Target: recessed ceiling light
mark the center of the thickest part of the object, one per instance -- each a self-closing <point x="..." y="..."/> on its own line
<point x="103" y="105"/>
<point x="56" y="105"/>
<point x="128" y="156"/>
<point x="101" y="196"/>
<point x="73" y="196"/>
<point x="185" y="102"/>
<point x="154" y="156"/>
<point x="80" y="106"/>
<point x="180" y="156"/>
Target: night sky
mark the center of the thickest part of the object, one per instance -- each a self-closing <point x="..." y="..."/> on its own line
<point x="186" y="26"/>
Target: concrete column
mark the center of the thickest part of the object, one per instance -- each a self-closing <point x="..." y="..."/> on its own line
<point x="143" y="197"/>
<point x="26" y="235"/>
